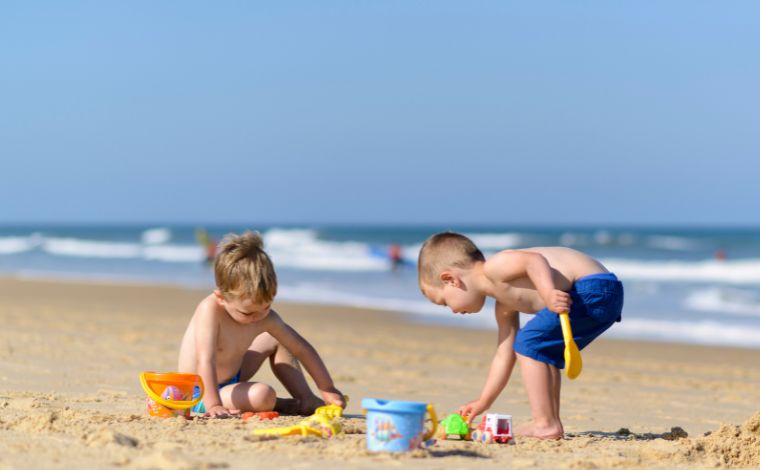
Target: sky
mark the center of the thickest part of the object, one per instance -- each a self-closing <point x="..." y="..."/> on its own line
<point x="380" y="112"/>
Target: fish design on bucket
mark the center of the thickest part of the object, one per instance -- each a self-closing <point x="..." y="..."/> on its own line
<point x="385" y="431"/>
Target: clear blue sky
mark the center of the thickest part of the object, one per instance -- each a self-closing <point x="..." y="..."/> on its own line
<point x="555" y="112"/>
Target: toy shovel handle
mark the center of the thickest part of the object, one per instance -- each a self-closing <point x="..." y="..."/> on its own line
<point x="567" y="331"/>
<point x="573" y="360"/>
<point x="434" y="421"/>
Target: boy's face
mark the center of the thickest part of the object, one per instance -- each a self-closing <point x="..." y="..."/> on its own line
<point x="244" y="310"/>
<point x="456" y="295"/>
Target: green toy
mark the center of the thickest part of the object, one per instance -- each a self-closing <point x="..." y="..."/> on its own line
<point x="454" y="425"/>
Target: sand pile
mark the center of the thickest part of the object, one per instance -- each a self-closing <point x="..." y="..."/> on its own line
<point x="731" y="445"/>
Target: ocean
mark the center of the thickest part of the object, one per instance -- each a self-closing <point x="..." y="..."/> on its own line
<point x="690" y="285"/>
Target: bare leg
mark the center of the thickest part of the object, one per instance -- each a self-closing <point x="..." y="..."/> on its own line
<point x="287" y="370"/>
<point x="556" y="386"/>
<point x="248" y="396"/>
<point x="542" y="383"/>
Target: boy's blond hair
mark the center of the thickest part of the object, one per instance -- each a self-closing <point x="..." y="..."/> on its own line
<point x="243" y="269"/>
<point x="442" y="251"/>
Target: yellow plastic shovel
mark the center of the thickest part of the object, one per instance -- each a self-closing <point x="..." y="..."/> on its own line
<point x="573" y="361"/>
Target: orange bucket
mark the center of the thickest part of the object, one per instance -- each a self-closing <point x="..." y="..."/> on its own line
<point x="170" y="393"/>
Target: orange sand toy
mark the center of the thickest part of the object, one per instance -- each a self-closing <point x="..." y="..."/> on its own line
<point x="262" y="415"/>
<point x="170" y="394"/>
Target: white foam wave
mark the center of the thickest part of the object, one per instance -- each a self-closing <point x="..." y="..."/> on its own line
<point x="745" y="271"/>
<point x="667" y="242"/>
<point x="315" y="293"/>
<point x="606" y="238"/>
<point x="73" y="247"/>
<point x="174" y="253"/>
<point x="701" y="332"/>
<point x="156" y="236"/>
<point x="724" y="300"/>
<point x="11" y="245"/>
<point x="302" y="249"/>
<point x="495" y="241"/>
<point x="600" y="237"/>
<point x="297" y="249"/>
<point x="90" y="248"/>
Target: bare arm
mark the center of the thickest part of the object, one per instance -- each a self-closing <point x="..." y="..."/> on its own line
<point x="515" y="264"/>
<point x="206" y="334"/>
<point x="308" y="356"/>
<point x="501" y="366"/>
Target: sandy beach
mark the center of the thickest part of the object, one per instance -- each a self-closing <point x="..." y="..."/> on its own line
<point x="70" y="355"/>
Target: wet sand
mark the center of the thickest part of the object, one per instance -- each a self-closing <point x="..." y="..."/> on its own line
<point x="70" y="355"/>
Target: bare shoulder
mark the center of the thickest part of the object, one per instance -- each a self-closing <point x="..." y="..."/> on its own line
<point x="505" y="265"/>
<point x="273" y="321"/>
<point x="208" y="309"/>
<point x="499" y="259"/>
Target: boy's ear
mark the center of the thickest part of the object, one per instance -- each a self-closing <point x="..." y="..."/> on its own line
<point x="219" y="296"/>
<point x="449" y="278"/>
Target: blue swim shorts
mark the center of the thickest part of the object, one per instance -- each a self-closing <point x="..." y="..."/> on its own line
<point x="597" y="304"/>
<point x="200" y="407"/>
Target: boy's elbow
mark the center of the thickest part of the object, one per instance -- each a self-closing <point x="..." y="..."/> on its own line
<point x="534" y="261"/>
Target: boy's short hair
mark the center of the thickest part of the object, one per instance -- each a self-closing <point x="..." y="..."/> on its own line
<point x="442" y="251"/>
<point x="243" y="269"/>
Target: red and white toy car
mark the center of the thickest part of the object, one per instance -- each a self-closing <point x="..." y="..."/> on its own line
<point x="493" y="428"/>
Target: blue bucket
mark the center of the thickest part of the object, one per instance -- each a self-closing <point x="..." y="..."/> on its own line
<point x="397" y="426"/>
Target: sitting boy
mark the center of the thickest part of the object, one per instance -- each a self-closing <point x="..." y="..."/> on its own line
<point x="234" y="330"/>
<point x="544" y="281"/>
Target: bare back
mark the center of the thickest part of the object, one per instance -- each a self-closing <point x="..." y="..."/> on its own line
<point x="231" y="343"/>
<point x="567" y="266"/>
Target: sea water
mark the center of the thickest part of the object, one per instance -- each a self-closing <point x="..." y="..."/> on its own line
<point x="693" y="285"/>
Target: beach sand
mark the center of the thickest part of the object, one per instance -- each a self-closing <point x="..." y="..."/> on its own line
<point x="71" y="353"/>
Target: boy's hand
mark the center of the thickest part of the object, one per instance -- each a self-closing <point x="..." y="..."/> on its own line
<point x="559" y="301"/>
<point x="218" y="411"/>
<point x="472" y="409"/>
<point x="333" y="396"/>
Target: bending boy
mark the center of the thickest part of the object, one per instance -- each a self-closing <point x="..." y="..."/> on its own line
<point x="234" y="330"/>
<point x="544" y="281"/>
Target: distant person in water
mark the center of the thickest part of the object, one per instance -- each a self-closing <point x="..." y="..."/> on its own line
<point x="720" y="254"/>
<point x="208" y="244"/>
<point x="211" y="251"/>
<point x="394" y="254"/>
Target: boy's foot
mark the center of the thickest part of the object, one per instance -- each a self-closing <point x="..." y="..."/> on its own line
<point x="287" y="406"/>
<point x="540" y="432"/>
<point x="306" y="407"/>
<point x="294" y="406"/>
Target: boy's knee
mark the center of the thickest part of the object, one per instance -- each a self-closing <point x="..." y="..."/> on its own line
<point x="263" y="395"/>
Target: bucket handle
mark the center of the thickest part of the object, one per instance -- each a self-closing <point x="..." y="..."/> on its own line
<point x="433" y="420"/>
<point x="174" y="404"/>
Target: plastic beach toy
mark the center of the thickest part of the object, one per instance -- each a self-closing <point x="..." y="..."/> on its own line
<point x="323" y="423"/>
<point x="397" y="426"/>
<point x="573" y="360"/>
<point x="262" y="415"/>
<point x="170" y="393"/>
<point x="454" y="425"/>
<point x="493" y="428"/>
